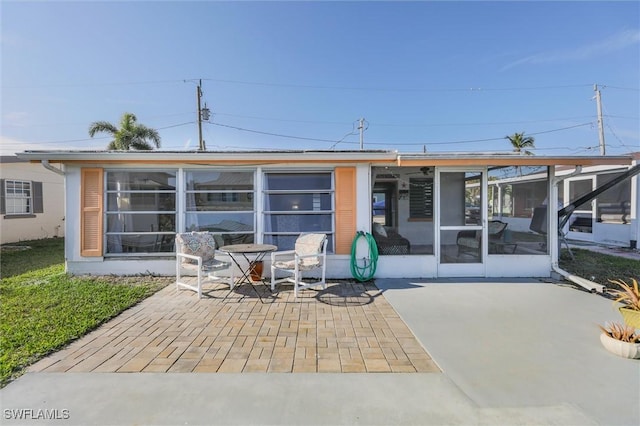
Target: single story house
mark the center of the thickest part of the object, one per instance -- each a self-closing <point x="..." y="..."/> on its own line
<point x="438" y="219"/>
<point x="31" y="201"/>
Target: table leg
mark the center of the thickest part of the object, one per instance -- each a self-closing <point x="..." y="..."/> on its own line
<point x="246" y="273"/>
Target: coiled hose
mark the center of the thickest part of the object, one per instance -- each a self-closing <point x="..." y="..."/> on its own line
<point x="368" y="269"/>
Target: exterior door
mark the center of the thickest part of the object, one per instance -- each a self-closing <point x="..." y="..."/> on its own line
<point x="384" y="203"/>
<point x="461" y="246"/>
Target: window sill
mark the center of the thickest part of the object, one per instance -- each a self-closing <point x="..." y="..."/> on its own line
<point x="19" y="216"/>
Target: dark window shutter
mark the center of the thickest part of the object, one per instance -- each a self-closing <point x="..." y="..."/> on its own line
<point x="38" y="205"/>
<point x="3" y="209"/>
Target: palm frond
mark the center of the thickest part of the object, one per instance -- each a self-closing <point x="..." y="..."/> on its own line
<point x="102" y="127"/>
<point x="130" y="135"/>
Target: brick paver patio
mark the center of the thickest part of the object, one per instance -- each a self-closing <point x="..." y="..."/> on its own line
<point x="349" y="327"/>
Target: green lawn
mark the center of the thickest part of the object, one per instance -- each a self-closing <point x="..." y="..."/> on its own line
<point x="599" y="268"/>
<point x="14" y="260"/>
<point x="43" y="308"/>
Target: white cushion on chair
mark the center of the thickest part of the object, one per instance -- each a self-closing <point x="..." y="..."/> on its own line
<point x="291" y="264"/>
<point x="469" y="242"/>
<point x="286" y="264"/>
<point x="209" y="266"/>
<point x="309" y="244"/>
<point x="201" y="244"/>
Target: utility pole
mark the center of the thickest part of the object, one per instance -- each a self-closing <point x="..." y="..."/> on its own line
<point x="202" y="113"/>
<point x="361" y="128"/>
<point x="600" y="123"/>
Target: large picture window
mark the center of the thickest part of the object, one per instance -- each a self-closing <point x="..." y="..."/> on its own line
<point x="518" y="198"/>
<point x="295" y="203"/>
<point x="221" y="202"/>
<point x="403" y="210"/>
<point x="140" y="212"/>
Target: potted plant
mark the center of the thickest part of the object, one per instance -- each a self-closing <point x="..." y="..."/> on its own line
<point x="629" y="297"/>
<point x="620" y="339"/>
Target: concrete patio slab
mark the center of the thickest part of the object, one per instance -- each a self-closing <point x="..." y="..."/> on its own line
<point x="261" y="399"/>
<point x="521" y="343"/>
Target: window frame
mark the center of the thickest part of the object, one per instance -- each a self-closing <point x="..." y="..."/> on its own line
<point x="266" y="213"/>
<point x="227" y="195"/>
<point x="164" y="238"/>
<point x="29" y="198"/>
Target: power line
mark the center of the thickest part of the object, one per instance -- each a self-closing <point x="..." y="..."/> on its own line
<point x="480" y="140"/>
<point x="390" y="143"/>
<point x="495" y="123"/>
<point x="272" y="134"/>
<point x="635" y="89"/>
<point x="85" y="124"/>
<point x="122" y="83"/>
<point x="281" y="119"/>
<point x="98" y="137"/>
<point x="396" y="89"/>
<point x="317" y="86"/>
<point x="621" y="117"/>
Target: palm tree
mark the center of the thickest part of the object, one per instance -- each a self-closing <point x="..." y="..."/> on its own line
<point x="130" y="136"/>
<point x="519" y="142"/>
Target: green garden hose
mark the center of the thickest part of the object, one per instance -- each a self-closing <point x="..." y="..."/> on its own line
<point x="369" y="264"/>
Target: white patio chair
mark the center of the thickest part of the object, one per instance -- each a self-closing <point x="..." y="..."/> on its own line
<point x="310" y="253"/>
<point x="195" y="253"/>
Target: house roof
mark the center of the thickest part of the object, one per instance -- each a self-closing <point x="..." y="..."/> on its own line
<point x="5" y="159"/>
<point x="211" y="157"/>
<point x="334" y="157"/>
<point x="511" y="159"/>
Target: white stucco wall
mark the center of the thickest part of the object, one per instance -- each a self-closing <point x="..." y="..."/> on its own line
<point x="48" y="224"/>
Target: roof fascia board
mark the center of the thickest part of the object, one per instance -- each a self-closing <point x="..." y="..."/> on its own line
<point x="306" y="157"/>
<point x="528" y="160"/>
<point x="253" y="158"/>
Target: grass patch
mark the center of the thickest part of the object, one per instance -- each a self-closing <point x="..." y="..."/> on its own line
<point x="18" y="258"/>
<point x="528" y="237"/>
<point x="44" y="308"/>
<point x="598" y="267"/>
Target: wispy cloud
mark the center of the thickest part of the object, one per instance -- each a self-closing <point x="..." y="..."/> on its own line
<point x="11" y="40"/>
<point x="10" y="146"/>
<point x="17" y="118"/>
<point x="616" y="42"/>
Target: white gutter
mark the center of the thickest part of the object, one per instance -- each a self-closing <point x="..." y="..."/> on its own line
<point x="582" y="282"/>
<point x="557" y="180"/>
<point x="46" y="165"/>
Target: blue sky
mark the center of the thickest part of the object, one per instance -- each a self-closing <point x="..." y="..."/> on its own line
<point x="434" y="76"/>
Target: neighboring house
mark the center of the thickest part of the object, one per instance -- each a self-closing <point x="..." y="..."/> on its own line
<point x="31" y="201"/>
<point x="124" y="208"/>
